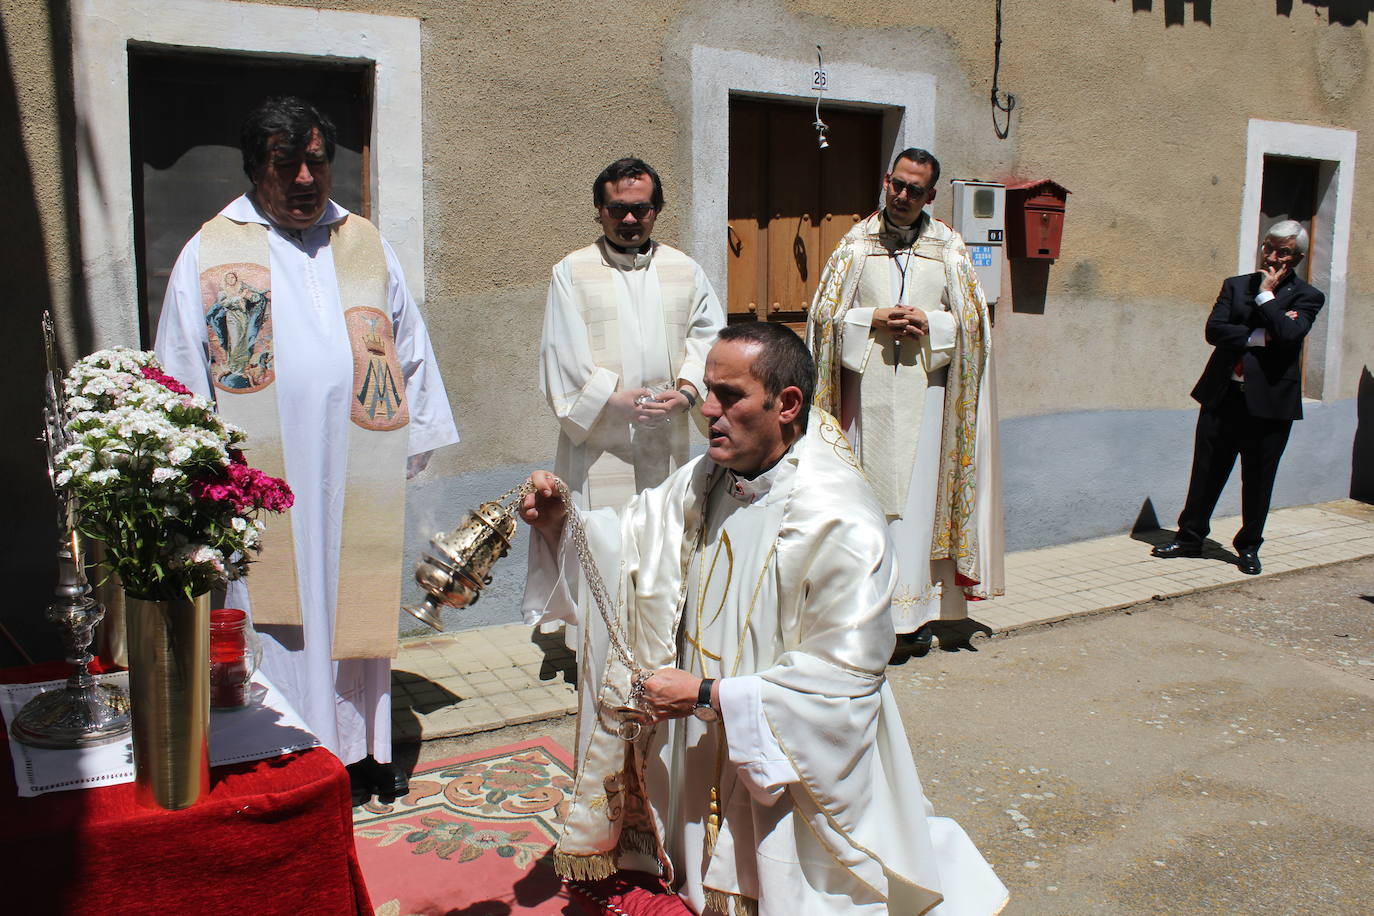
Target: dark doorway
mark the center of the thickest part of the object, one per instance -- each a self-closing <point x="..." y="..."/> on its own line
<point x="185" y="109"/>
<point x="791" y="202"/>
<point x="1289" y="191"/>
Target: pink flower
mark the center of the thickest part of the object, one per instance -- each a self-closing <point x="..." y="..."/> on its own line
<point x="245" y="489"/>
<point x="163" y="379"/>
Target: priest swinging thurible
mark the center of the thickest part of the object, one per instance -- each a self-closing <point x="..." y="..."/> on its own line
<point x="755" y="588"/>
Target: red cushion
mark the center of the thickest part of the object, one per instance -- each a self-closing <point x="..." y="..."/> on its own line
<point x="628" y="893"/>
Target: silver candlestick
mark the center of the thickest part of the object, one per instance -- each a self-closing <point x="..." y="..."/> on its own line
<point x="84" y="712"/>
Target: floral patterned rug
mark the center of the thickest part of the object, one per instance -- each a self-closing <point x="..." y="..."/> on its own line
<point x="470" y="838"/>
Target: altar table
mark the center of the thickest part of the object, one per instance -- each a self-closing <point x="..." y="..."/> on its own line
<point x="273" y="836"/>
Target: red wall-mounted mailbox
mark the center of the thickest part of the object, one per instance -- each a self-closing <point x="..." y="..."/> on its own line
<point x="1035" y="218"/>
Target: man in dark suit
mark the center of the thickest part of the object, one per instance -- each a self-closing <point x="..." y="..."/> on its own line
<point x="1251" y="392"/>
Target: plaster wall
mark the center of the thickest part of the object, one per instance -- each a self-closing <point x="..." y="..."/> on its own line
<point x="37" y="254"/>
<point x="1083" y="474"/>
<point x="36" y="165"/>
<point x="518" y="105"/>
<point x="1146" y="123"/>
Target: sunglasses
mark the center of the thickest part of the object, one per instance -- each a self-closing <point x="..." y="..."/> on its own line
<point x="900" y="187"/>
<point x="619" y="211"/>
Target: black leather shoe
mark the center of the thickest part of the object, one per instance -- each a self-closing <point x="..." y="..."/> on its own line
<point x="1177" y="548"/>
<point x="389" y="780"/>
<point x="360" y="781"/>
<point x="1249" y="562"/>
<point x="917" y="643"/>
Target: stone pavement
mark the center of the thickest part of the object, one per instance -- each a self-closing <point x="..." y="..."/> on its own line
<point x="489" y="678"/>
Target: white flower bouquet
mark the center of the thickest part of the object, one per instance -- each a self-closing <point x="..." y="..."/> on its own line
<point x="159" y="478"/>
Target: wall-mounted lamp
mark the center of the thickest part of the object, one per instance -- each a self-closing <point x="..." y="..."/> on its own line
<point x="818" y="82"/>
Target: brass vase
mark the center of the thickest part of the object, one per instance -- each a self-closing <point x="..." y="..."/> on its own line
<point x="169" y="691"/>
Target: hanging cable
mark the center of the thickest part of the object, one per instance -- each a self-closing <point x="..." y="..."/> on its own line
<point x="1001" y="101"/>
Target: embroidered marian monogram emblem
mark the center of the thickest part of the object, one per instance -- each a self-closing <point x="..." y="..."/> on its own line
<point x="379" y="386"/>
<point x="378" y="395"/>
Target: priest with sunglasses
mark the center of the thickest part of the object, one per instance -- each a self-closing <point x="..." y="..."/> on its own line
<point x="902" y="340"/>
<point x="628" y="323"/>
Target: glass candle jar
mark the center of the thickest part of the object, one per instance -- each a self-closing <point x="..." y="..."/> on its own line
<point x="234" y="655"/>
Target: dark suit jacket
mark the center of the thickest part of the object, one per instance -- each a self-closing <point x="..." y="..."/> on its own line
<point x="1273" y="377"/>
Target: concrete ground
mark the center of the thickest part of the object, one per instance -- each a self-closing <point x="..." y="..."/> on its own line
<point x="1201" y="754"/>
<point x="482" y="679"/>
<point x="1205" y="754"/>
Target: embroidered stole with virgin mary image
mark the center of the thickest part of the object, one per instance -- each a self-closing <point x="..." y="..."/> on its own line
<point x="236" y="289"/>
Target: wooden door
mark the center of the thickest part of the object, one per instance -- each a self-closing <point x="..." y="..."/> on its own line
<point x="791" y="202"/>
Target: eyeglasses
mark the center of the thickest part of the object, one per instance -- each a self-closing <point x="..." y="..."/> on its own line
<point x="912" y="191"/>
<point x="619" y="211"/>
<point x="1281" y="252"/>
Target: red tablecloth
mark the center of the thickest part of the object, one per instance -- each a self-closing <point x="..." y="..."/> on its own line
<point x="273" y="836"/>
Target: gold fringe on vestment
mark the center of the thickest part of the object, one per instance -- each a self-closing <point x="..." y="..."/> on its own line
<point x="584" y="868"/>
<point x="600" y="865"/>
<point x="730" y="904"/>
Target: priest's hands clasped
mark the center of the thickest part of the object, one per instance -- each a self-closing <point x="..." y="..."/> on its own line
<point x="644" y="408"/>
<point x="657" y="409"/>
<point x="902" y="321"/>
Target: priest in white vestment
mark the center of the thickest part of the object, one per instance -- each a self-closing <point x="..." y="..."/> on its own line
<point x="626" y="330"/>
<point x="771" y="774"/>
<point x="329" y="369"/>
<point x="902" y="340"/>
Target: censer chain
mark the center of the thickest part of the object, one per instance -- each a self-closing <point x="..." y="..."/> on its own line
<point x="614" y="631"/>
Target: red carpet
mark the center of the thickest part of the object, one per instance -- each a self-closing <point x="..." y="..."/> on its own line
<point x="470" y="838"/>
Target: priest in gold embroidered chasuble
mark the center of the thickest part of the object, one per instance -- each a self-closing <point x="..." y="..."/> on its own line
<point x="903" y="345"/>
<point x="751" y="590"/>
<point x="292" y="314"/>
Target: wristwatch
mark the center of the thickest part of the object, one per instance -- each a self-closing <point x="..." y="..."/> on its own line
<point x="691" y="398"/>
<point x="704" y="710"/>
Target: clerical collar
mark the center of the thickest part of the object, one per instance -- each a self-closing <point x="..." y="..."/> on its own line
<point x="613" y="255"/>
<point x="753" y="489"/>
<point x="638" y="249"/>
<point x="894" y="237"/>
<point x="245" y="209"/>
